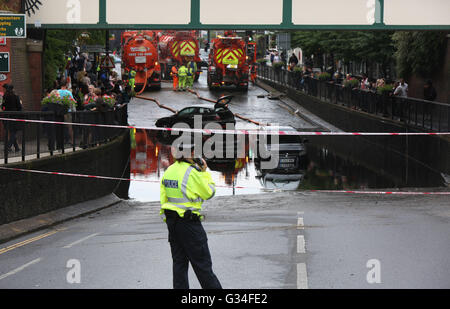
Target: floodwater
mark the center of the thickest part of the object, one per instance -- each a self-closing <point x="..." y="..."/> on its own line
<point x="331" y="163"/>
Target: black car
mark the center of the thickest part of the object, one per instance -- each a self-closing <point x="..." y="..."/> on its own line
<point x="291" y="150"/>
<point x="219" y="114"/>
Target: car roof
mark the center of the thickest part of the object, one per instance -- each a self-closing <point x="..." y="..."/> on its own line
<point x="197" y="106"/>
<point x="278" y="128"/>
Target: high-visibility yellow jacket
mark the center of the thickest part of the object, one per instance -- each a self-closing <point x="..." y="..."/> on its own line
<point x="183" y="187"/>
<point x="182" y="71"/>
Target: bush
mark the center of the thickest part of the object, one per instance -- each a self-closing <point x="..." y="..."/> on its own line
<point x="277" y="66"/>
<point x="351" y="83"/>
<point x="298" y="69"/>
<point x="262" y="61"/>
<point x="68" y="102"/>
<point x="324" y="76"/>
<point x="385" y="90"/>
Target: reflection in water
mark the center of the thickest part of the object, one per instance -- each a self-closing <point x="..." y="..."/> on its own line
<point x="324" y="167"/>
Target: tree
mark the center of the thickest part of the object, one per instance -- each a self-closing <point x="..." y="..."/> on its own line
<point x="369" y="46"/>
<point x="419" y="52"/>
<point x="60" y="43"/>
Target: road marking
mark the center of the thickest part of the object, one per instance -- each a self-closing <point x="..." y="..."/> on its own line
<point x="300" y="244"/>
<point x="80" y="240"/>
<point x="28" y="241"/>
<point x="300" y="224"/>
<point x="18" y="269"/>
<point x="302" y="279"/>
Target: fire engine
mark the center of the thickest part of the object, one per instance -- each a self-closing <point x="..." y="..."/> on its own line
<point x="230" y="59"/>
<point x="140" y="54"/>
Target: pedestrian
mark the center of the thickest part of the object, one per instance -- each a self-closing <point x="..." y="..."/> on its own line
<point x="184" y="187"/>
<point x="174" y="75"/>
<point x="11" y="103"/>
<point x="293" y="60"/>
<point x="365" y="84"/>
<point x="429" y="93"/>
<point x="182" y="75"/>
<point x="402" y="89"/>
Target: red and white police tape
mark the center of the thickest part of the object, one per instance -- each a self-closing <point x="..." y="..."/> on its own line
<point x="220" y="186"/>
<point x="235" y="131"/>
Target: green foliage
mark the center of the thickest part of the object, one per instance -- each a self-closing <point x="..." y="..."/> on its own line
<point x="67" y="101"/>
<point x="297" y="69"/>
<point x="261" y="60"/>
<point x="58" y="43"/>
<point x="386" y="89"/>
<point x="109" y="100"/>
<point x="324" y="76"/>
<point x="351" y="83"/>
<point x="277" y="65"/>
<point x="371" y="46"/>
<point x="419" y="52"/>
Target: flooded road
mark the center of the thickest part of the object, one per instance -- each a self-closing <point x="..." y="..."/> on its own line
<point x="330" y="163"/>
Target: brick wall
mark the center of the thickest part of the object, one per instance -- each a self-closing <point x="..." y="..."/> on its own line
<point x="20" y="72"/>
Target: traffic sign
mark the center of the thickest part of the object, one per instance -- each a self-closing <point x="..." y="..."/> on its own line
<point x="2" y="41"/>
<point x="4" y="62"/>
<point x="13" y="26"/>
<point x="107" y="62"/>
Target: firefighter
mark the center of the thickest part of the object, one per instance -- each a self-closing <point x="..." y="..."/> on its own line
<point x="132" y="79"/>
<point x="184" y="187"/>
<point x="174" y="75"/>
<point x="253" y="73"/>
<point x="192" y="70"/>
<point x="182" y="75"/>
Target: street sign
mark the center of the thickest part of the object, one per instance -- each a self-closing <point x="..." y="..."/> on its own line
<point x="13" y="26"/>
<point x="107" y="62"/>
<point x="4" y="62"/>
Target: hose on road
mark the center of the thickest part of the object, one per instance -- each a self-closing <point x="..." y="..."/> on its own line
<point x="157" y="103"/>
<point x="237" y="115"/>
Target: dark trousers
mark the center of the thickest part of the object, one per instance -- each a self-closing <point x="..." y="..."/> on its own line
<point x="188" y="243"/>
<point x="12" y="141"/>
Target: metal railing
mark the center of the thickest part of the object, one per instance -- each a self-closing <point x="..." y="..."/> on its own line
<point x="432" y="116"/>
<point x="36" y="140"/>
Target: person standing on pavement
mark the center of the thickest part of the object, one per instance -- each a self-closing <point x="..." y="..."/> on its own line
<point x="184" y="187"/>
<point x="11" y="102"/>
<point x="182" y="76"/>
<point x="174" y="75"/>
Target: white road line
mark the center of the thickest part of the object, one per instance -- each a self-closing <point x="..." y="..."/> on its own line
<point x="302" y="279"/>
<point x="80" y="240"/>
<point x="300" y="225"/>
<point x="300" y="244"/>
<point x="18" y="269"/>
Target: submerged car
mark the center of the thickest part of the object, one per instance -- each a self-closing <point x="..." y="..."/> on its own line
<point x="291" y="149"/>
<point x="219" y="114"/>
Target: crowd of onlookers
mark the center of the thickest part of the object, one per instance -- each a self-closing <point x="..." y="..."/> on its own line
<point x="363" y="82"/>
<point x="88" y="87"/>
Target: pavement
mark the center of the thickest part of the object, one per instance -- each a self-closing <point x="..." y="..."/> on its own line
<point x="285" y="240"/>
<point x="21" y="227"/>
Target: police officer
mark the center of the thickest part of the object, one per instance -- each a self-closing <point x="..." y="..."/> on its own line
<point x="184" y="187"/>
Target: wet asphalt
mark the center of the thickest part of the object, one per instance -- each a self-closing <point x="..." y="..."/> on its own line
<point x="264" y="240"/>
